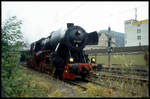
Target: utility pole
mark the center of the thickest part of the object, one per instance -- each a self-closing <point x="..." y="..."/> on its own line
<point x="109" y="49"/>
<point x="135" y="13"/>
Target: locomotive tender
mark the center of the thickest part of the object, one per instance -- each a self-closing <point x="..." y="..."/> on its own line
<point x="61" y="53"/>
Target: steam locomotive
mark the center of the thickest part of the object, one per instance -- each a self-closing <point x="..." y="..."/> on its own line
<point x="61" y="54"/>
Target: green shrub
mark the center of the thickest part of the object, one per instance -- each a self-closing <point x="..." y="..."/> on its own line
<point x="14" y="82"/>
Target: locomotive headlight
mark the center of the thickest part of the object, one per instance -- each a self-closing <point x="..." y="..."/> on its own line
<point x="93" y="60"/>
<point x="79" y="31"/>
<point x="71" y="60"/>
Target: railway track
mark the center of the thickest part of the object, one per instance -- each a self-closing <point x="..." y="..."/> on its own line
<point x="98" y="79"/>
<point x="96" y="84"/>
<point x="106" y="81"/>
<point x="84" y="88"/>
<point x="80" y="84"/>
<point x="130" y="71"/>
<point x="110" y="74"/>
<point x="118" y="77"/>
<point x="140" y="74"/>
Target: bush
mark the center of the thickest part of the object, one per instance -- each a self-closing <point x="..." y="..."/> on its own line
<point x="14" y="83"/>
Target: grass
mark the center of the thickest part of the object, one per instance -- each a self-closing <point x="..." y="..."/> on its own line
<point x="43" y="87"/>
<point x="39" y="86"/>
<point x="127" y="88"/>
<point x="93" y="91"/>
<point x="123" y="90"/>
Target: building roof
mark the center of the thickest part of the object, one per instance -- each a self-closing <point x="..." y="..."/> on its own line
<point x="106" y="32"/>
<point x="119" y="37"/>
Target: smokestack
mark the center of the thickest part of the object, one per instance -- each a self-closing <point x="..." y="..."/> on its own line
<point x="69" y="25"/>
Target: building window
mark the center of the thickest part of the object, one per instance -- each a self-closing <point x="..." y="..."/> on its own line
<point x="139" y="43"/>
<point x="128" y="22"/>
<point x="138" y="30"/>
<point x="139" y="37"/>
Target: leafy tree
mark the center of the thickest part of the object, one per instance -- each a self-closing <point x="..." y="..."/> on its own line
<point x="11" y="42"/>
<point x="15" y="83"/>
<point x="11" y="38"/>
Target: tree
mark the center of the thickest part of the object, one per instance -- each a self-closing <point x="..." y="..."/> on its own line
<point x="11" y="38"/>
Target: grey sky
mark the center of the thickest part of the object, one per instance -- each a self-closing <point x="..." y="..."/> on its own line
<point x="41" y="18"/>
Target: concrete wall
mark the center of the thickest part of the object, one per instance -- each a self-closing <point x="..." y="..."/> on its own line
<point x="130" y="49"/>
<point x="122" y="59"/>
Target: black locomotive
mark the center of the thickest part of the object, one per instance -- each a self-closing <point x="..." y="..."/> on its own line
<point x="62" y="53"/>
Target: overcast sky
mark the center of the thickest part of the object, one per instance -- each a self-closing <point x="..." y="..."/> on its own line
<point x="41" y="18"/>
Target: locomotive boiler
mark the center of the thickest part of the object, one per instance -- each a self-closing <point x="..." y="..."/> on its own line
<point x="61" y="53"/>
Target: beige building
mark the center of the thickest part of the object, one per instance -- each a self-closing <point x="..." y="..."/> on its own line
<point x="103" y="40"/>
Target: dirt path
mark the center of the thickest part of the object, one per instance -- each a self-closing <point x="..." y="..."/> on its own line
<point x="51" y="86"/>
